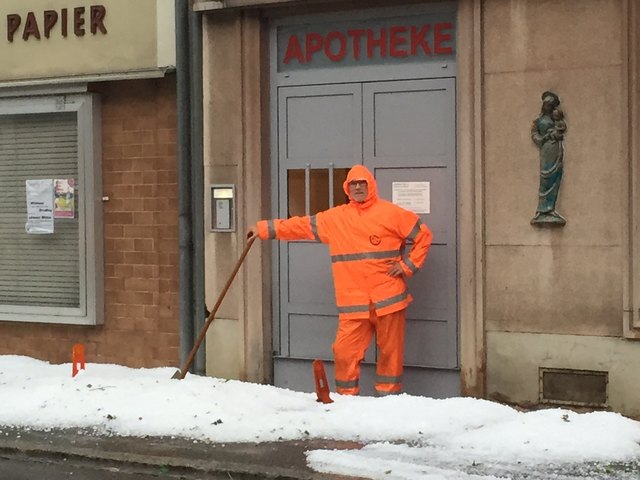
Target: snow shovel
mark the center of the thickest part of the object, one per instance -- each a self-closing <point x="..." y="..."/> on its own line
<point x="180" y="374"/>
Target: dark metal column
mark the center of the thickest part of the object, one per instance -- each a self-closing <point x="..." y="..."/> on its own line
<point x="185" y="238"/>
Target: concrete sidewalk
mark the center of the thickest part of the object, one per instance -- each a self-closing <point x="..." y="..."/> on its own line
<point x="274" y="460"/>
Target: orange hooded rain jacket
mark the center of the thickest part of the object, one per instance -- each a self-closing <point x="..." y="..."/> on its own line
<point x="363" y="238"/>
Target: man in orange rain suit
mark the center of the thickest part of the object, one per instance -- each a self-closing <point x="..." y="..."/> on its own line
<point x="366" y="241"/>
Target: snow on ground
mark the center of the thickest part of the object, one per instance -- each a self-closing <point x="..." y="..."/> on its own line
<point x="406" y="437"/>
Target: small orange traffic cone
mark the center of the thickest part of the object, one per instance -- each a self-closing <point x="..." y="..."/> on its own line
<point x="320" y="377"/>
<point x="77" y="358"/>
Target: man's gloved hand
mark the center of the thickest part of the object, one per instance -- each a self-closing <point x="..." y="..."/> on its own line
<point x="395" y="269"/>
<point x="253" y="232"/>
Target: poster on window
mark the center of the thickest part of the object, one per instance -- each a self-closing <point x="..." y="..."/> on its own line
<point x="64" y="198"/>
<point x="39" y="206"/>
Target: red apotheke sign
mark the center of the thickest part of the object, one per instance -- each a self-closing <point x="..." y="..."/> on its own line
<point x="380" y="42"/>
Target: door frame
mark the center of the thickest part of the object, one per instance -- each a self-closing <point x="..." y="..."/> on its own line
<point x="470" y="180"/>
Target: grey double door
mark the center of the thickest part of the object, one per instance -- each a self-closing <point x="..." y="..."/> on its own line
<point x="404" y="132"/>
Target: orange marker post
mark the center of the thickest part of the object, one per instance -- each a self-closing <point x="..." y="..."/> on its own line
<point x="320" y="377"/>
<point x="77" y="358"/>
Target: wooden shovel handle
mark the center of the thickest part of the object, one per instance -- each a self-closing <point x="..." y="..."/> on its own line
<point x="187" y="363"/>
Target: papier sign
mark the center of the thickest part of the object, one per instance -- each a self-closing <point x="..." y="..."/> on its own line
<point x="39" y="206"/>
<point x="414" y="196"/>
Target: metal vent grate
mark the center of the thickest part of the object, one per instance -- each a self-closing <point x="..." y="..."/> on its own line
<point x="585" y="388"/>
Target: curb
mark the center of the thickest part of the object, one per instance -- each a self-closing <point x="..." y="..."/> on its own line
<point x="274" y="461"/>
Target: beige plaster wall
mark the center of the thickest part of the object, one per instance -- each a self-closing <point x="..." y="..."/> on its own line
<point x="560" y="280"/>
<point x="525" y="353"/>
<point x="238" y="341"/>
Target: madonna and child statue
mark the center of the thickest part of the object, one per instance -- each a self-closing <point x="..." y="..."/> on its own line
<point x="547" y="132"/>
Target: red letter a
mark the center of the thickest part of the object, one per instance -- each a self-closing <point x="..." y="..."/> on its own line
<point x="294" y="50"/>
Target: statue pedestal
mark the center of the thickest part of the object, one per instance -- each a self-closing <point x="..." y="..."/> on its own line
<point x="551" y="218"/>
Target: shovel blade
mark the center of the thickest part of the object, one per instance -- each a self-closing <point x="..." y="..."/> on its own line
<point x="178" y="375"/>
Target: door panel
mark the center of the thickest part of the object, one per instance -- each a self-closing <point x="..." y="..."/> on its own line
<point x="419" y="134"/>
<point x="309" y="280"/>
<point x="319" y="133"/>
<point x="319" y="125"/>
<point x="409" y="123"/>
<point x="419" y="146"/>
<point x="426" y="344"/>
<point x="311" y="336"/>
<point x="431" y="293"/>
<point x="433" y="287"/>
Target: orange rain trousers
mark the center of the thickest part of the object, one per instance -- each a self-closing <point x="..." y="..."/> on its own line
<point x="353" y="338"/>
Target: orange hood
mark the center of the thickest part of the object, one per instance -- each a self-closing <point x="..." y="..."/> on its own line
<point x="360" y="172"/>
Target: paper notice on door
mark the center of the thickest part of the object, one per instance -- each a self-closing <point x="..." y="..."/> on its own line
<point x="39" y="206"/>
<point x="414" y="196"/>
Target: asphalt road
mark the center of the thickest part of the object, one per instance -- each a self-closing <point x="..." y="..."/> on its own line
<point x="24" y="467"/>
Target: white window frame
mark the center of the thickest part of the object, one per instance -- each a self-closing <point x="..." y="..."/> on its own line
<point x="90" y="241"/>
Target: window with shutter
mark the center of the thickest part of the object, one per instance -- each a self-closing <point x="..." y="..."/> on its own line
<point x="56" y="277"/>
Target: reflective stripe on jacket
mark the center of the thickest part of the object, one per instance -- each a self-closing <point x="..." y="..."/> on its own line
<point x="363" y="238"/>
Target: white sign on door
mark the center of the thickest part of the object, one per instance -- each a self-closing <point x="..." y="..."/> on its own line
<point x="414" y="196"/>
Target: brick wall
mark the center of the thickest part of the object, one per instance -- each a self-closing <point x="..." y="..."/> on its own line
<point x="140" y="238"/>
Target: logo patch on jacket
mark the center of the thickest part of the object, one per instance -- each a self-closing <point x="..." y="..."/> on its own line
<point x="374" y="239"/>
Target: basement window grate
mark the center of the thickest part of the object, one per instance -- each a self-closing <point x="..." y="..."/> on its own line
<point x="583" y="388"/>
